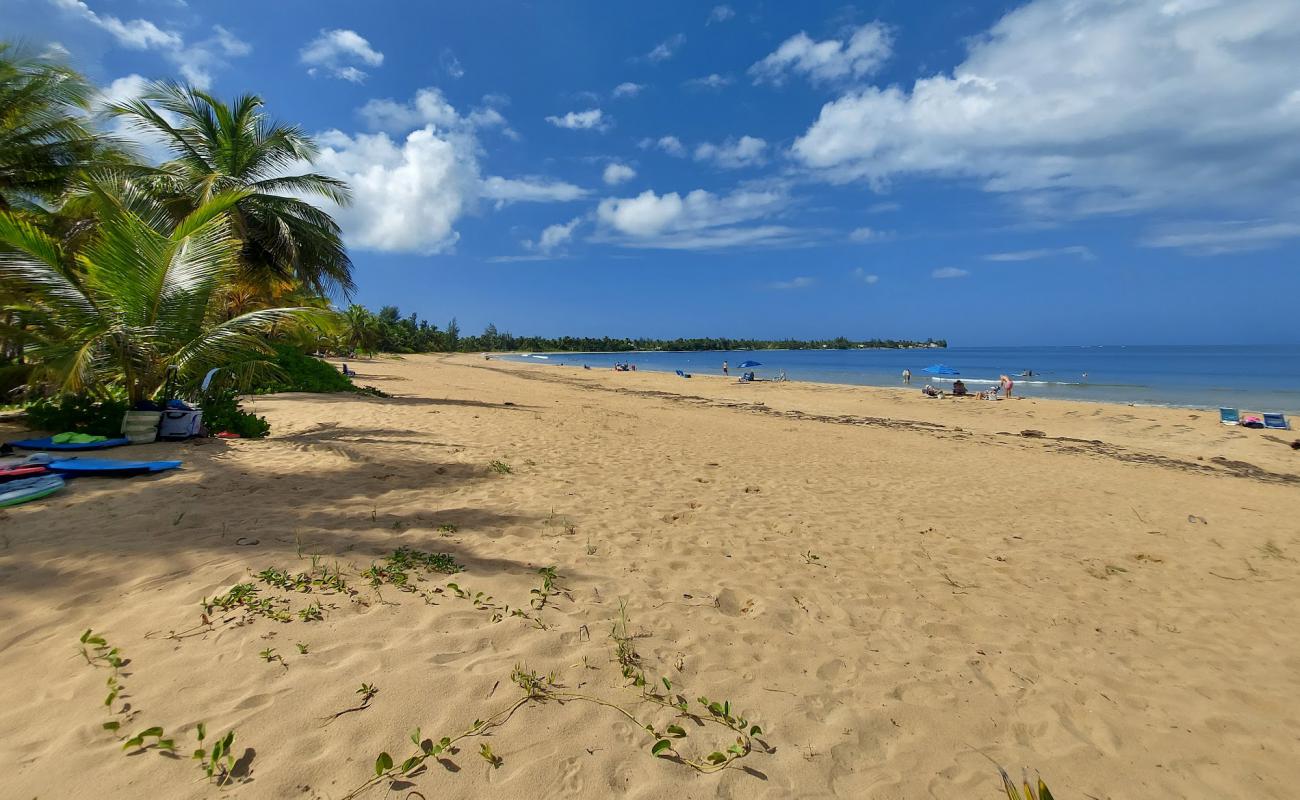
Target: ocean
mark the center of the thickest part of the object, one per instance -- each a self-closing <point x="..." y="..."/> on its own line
<point x="1263" y="378"/>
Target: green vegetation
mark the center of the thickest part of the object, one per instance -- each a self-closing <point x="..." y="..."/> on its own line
<point x="117" y="276"/>
<point x="388" y="331"/>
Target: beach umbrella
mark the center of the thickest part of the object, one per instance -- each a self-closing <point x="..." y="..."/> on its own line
<point x="749" y="364"/>
<point x="940" y="369"/>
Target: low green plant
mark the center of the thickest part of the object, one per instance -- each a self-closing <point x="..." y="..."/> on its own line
<point x="396" y="568"/>
<point x="447" y="528"/>
<point x="99" y="415"/>
<point x="222" y="414"/>
<point x="220" y="761"/>
<point x="300" y="372"/>
<point x="312" y="613"/>
<point x="244" y="597"/>
<point x="160" y="740"/>
<point x="269" y="655"/>
<point x="302" y="648"/>
<point x="500" y="467"/>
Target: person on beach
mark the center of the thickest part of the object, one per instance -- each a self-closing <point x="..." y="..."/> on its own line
<point x="959" y="388"/>
<point x="907" y="375"/>
<point x="1007" y="386"/>
<point x="724" y="368"/>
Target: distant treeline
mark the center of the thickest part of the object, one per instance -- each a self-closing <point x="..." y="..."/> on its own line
<point x="390" y="332"/>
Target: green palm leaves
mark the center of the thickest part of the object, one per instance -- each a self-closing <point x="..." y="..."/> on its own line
<point x="43" y="142"/>
<point x="142" y="296"/>
<point x="219" y="148"/>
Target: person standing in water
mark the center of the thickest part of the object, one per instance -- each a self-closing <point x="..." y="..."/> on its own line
<point x="724" y="368"/>
<point x="907" y="375"/>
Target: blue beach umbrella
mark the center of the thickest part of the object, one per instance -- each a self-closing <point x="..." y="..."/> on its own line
<point x="749" y="364"/>
<point x="940" y="369"/>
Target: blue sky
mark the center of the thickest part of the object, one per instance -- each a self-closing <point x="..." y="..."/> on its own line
<point x="1049" y="172"/>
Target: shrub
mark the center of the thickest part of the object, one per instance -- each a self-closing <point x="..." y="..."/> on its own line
<point x="101" y="416"/>
<point x="300" y="372"/>
<point x="222" y="414"/>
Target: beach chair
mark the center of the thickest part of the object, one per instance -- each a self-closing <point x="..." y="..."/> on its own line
<point x="1229" y="416"/>
<point x="681" y="374"/>
<point x="1277" y="421"/>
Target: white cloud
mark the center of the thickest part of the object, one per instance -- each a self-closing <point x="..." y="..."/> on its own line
<point x="669" y="144"/>
<point x="450" y="64"/>
<point x="801" y="282"/>
<point x="407" y="194"/>
<point x="713" y="81"/>
<point x="720" y="14"/>
<point x="1216" y="238"/>
<point x="591" y="119"/>
<point x="867" y="235"/>
<point x="554" y="237"/>
<point x="337" y="52"/>
<point x="149" y="147"/>
<point x="530" y="189"/>
<point x="1077" y="251"/>
<point x="949" y="272"/>
<point x="831" y="60"/>
<point x="628" y="89"/>
<point x="883" y="208"/>
<point x="410" y="187"/>
<point x="616" y="173"/>
<point x="699" y="220"/>
<point x="194" y="60"/>
<point x="866" y="277"/>
<point x="1090" y="106"/>
<point x="746" y="151"/>
<point x="667" y="48"/>
<point x="136" y="34"/>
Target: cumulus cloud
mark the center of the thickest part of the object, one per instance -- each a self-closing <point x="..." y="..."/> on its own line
<point x="1090" y="106"/>
<point x="720" y="14"/>
<point x="554" y="237"/>
<point x="591" y="119"/>
<point x="747" y="151"/>
<point x="1077" y="251"/>
<point x="866" y="277"/>
<point x="1216" y="238"/>
<point x="667" y="48"/>
<point x="407" y="193"/>
<point x="669" y="144"/>
<point x="337" y="53"/>
<point x="801" y="282"/>
<point x="195" y="60"/>
<point x="713" y="81"/>
<point x="616" y="173"/>
<point x="949" y="272"/>
<point x="697" y="221"/>
<point x="628" y="89"/>
<point x="865" y="50"/>
<point x="418" y="174"/>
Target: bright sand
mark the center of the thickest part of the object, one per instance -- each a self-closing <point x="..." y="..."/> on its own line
<point x="891" y="586"/>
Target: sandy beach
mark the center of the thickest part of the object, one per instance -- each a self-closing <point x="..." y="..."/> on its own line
<point x="899" y="591"/>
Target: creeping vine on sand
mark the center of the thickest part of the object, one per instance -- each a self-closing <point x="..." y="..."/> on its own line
<point x="540" y="689"/>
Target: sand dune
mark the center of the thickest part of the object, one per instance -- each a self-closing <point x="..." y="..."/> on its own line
<point x="896" y="589"/>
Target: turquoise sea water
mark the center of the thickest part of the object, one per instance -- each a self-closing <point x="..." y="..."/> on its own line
<point x="1263" y="378"/>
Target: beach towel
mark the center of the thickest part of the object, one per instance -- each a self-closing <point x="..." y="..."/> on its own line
<point x="1277" y="421"/>
<point x="28" y="489"/>
<point x="1251" y="419"/>
<point x="73" y="467"/>
<point x="72" y="437"/>
<point x="48" y="443"/>
<point x="1229" y="416"/>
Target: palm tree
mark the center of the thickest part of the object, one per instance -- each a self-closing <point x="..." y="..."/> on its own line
<point x="43" y="141"/>
<point x="144" y="296"/>
<point x="221" y="148"/>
